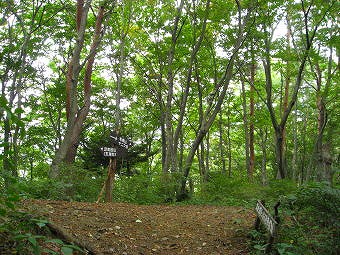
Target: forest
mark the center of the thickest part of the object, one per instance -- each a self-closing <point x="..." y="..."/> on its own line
<point x="150" y="106"/>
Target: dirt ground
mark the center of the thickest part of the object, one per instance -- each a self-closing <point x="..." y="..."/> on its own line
<point x="127" y="229"/>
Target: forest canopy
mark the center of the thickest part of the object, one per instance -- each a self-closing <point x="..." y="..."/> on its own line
<point x="245" y="89"/>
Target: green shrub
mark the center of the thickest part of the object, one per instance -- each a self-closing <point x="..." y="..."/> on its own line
<point x="221" y="189"/>
<point x="73" y="184"/>
<point x="21" y="234"/>
<point x="143" y="189"/>
<point x="311" y="221"/>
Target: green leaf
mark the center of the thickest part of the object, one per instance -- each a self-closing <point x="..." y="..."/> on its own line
<point x="9" y="205"/>
<point x="41" y="223"/>
<point x="74" y="247"/>
<point x="2" y="212"/>
<point x="259" y="247"/>
<point x="32" y="240"/>
<point x="57" y="241"/>
<point x="49" y="251"/>
<point x="66" y="250"/>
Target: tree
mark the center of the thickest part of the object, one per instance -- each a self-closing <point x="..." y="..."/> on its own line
<point x="218" y="94"/>
<point x="76" y="115"/>
<point x="310" y="29"/>
<point x="22" y="32"/>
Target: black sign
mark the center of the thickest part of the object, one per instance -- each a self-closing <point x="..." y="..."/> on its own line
<point x="120" y="141"/>
<point x="114" y="152"/>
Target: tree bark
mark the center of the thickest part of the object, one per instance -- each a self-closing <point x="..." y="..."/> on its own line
<point x="229" y="146"/>
<point x="264" y="138"/>
<point x="323" y="154"/>
<point x="251" y="120"/>
<point x="76" y="117"/>
<point x="246" y="125"/>
<point x="110" y="179"/>
<point x="221" y="144"/>
<point x="295" y="140"/>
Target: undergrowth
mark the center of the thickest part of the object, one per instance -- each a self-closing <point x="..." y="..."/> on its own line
<point x="309" y="213"/>
<point x="309" y="223"/>
<point x="22" y="234"/>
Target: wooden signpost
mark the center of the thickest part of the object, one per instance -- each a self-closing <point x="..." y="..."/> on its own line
<point x="120" y="146"/>
<point x="271" y="223"/>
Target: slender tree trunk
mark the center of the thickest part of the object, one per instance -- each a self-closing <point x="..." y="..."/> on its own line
<point x="229" y="147"/>
<point x="264" y="138"/>
<point x="304" y="174"/>
<point x="164" y="143"/>
<point x="221" y="145"/>
<point x="246" y="125"/>
<point x="201" y="162"/>
<point x="207" y="158"/>
<point x="281" y="173"/>
<point x="295" y="152"/>
<point x="251" y="119"/>
<point x="287" y="81"/>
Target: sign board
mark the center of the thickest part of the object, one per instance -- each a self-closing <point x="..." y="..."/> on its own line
<point x="120" y="141"/>
<point x="113" y="152"/>
<point x="266" y="218"/>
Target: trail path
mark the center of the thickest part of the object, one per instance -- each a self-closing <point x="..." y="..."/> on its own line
<point x="127" y="229"/>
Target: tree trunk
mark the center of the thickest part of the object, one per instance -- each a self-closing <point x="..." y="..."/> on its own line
<point x="229" y="146"/>
<point x="251" y="121"/>
<point x="281" y="173"/>
<point x="207" y="158"/>
<point x="295" y="152"/>
<point x="201" y="162"/>
<point x="264" y="138"/>
<point x="221" y="145"/>
<point x="110" y="179"/>
<point x="323" y="151"/>
<point x="285" y="106"/>
<point x="76" y="117"/>
<point x="246" y="125"/>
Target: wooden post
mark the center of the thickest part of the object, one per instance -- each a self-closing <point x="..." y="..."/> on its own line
<point x="110" y="179"/>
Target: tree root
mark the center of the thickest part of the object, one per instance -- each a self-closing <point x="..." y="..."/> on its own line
<point x="65" y="236"/>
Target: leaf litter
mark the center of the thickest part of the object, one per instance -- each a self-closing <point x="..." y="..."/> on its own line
<point x="129" y="229"/>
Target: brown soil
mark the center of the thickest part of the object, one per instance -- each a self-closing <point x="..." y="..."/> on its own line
<point x="127" y="229"/>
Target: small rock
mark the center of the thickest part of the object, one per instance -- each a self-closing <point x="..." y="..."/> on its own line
<point x="138" y="221"/>
<point x="117" y="227"/>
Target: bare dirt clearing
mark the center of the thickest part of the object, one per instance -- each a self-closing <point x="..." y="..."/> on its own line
<point x="127" y="229"/>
